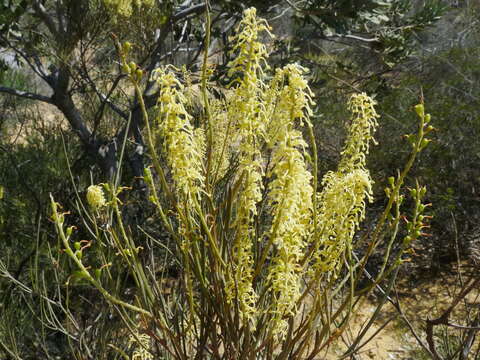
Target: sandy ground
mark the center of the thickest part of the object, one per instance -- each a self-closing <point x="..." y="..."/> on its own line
<point x="421" y="300"/>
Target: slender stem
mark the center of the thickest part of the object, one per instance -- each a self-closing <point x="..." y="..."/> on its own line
<point x="208" y="124"/>
<point x="150" y="143"/>
<point x="86" y="273"/>
<point x="315" y="173"/>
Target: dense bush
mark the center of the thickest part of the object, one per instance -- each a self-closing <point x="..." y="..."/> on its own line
<point x="265" y="261"/>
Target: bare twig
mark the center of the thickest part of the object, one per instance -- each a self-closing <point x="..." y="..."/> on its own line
<point x="25" y="94"/>
<point x="443" y="319"/>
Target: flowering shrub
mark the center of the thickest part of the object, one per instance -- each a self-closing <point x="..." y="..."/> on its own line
<point x="265" y="257"/>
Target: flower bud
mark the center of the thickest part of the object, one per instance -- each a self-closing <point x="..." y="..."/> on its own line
<point x="69" y="231"/>
<point x="411" y="139"/>
<point x="420" y="110"/>
<point x="126" y="69"/>
<point x="126" y="47"/>
<point x="132" y="66"/>
<point x="424" y="143"/>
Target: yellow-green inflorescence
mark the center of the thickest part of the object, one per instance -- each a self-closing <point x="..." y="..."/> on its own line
<point x="125" y="7"/>
<point x="95" y="197"/>
<point x="184" y="145"/>
<point x="290" y="191"/>
<point x="141" y="344"/>
<point x="261" y="116"/>
<point x="248" y="115"/>
<point x="342" y="200"/>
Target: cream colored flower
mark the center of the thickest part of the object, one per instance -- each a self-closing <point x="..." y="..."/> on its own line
<point x="125" y="7"/>
<point x="342" y="201"/>
<point x="290" y="191"/>
<point x="246" y="112"/>
<point x="364" y="123"/>
<point x="95" y="197"/>
<point x="141" y="343"/>
<point x="184" y="145"/>
<point x="342" y="208"/>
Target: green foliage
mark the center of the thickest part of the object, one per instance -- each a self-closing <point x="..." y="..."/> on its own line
<point x="10" y="13"/>
<point x="14" y="78"/>
<point x="450" y="163"/>
<point x="387" y="27"/>
<point x="30" y="171"/>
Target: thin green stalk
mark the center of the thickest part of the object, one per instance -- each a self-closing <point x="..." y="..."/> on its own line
<point x="208" y="125"/>
<point x="315" y="173"/>
<point x="122" y="153"/>
<point x="210" y="238"/>
<point x="151" y="145"/>
<point x="396" y="191"/>
<point x="86" y="273"/>
<point x="271" y="239"/>
<point x="138" y="272"/>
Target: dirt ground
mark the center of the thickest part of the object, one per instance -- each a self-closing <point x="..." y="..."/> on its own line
<point x="420" y="299"/>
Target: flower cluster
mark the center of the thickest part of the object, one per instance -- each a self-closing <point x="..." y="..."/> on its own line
<point x="185" y="147"/>
<point x="342" y="200"/>
<point x="247" y="114"/>
<point x="290" y="194"/>
<point x="125" y="7"/>
<point x="364" y="123"/>
<point x="141" y="342"/>
<point x="250" y="53"/>
<point x="95" y="197"/>
<point x="341" y="209"/>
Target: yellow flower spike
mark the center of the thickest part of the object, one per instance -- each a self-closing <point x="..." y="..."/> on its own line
<point x="342" y="208"/>
<point x="342" y="200"/>
<point x="95" y="197"/>
<point x="248" y="116"/>
<point x="125" y="8"/>
<point x="364" y="123"/>
<point x="184" y="146"/>
<point x="251" y="53"/>
<point x="291" y="191"/>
